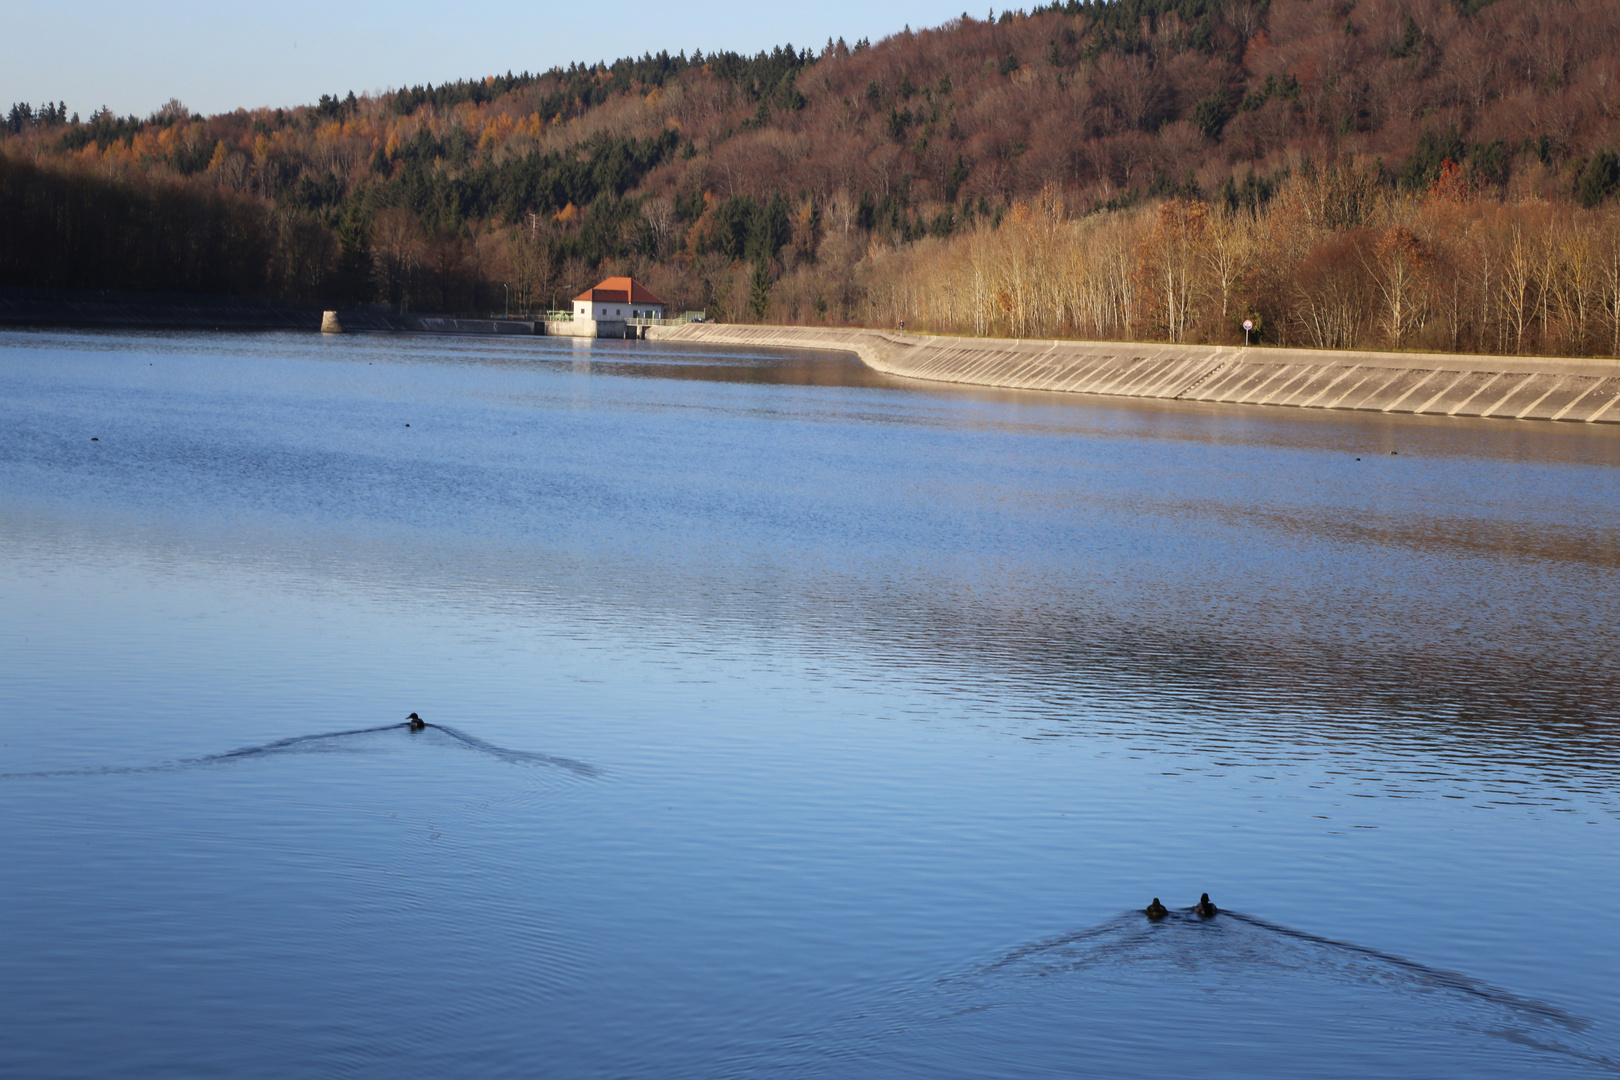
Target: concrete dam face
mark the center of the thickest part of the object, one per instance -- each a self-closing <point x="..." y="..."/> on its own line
<point x="1521" y="388"/>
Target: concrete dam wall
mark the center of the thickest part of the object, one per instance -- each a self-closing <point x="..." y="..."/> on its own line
<point x="1511" y="387"/>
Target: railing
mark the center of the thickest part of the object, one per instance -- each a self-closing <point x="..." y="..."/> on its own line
<point x="686" y="317"/>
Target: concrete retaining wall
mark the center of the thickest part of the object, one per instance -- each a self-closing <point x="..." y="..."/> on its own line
<point x="589" y="328"/>
<point x="367" y="322"/>
<point x="444" y="324"/>
<point x="1523" y="388"/>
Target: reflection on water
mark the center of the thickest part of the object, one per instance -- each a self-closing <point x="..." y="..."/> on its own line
<point x="873" y="681"/>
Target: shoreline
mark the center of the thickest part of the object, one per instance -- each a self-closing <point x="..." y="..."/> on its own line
<point x="111" y="310"/>
<point x="1575" y="390"/>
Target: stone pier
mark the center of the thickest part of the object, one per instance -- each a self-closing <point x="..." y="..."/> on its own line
<point x="591" y="328"/>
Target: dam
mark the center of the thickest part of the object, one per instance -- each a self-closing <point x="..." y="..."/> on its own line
<point x="1432" y="384"/>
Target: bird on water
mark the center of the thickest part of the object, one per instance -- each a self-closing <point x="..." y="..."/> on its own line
<point x="416" y="723"/>
<point x="1205" y="907"/>
<point x="1156" y="910"/>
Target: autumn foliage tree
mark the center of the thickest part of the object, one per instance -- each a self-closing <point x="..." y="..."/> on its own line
<point x="1170" y="266"/>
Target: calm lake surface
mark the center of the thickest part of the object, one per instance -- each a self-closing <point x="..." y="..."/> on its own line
<point x="795" y="722"/>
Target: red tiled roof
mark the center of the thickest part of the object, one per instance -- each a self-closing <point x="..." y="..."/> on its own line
<point x="621" y="290"/>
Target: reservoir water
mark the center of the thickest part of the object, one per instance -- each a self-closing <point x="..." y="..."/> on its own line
<point x="787" y="720"/>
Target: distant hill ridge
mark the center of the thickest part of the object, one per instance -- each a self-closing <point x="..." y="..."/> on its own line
<point x="715" y="176"/>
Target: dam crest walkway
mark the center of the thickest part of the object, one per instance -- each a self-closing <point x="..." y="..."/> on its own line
<point x="1443" y="384"/>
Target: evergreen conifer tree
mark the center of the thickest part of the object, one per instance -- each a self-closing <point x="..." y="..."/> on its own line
<point x="759" y="290"/>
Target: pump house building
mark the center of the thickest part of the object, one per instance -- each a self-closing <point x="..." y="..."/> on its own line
<point x="617" y="298"/>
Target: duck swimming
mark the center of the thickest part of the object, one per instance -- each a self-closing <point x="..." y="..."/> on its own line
<point x="1156" y="910"/>
<point x="416" y="723"/>
<point x="1205" y="907"/>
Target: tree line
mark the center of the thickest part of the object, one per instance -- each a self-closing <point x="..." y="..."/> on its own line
<point x="1336" y="260"/>
<point x="805" y="185"/>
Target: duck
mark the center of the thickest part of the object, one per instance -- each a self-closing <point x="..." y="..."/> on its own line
<point x="1156" y="910"/>
<point x="1206" y="907"/>
<point x="416" y="723"/>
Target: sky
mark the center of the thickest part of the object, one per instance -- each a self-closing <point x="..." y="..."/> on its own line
<point x="213" y="57"/>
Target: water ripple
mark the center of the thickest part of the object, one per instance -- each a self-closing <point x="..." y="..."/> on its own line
<point x="325" y="740"/>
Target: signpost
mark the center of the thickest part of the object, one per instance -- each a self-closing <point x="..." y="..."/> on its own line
<point x="1248" y="324"/>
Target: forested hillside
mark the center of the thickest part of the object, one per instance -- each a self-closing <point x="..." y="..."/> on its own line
<point x="1405" y="173"/>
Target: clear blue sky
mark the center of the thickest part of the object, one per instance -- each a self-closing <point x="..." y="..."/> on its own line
<point x="133" y="57"/>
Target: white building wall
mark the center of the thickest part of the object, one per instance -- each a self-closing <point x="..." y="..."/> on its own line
<point x="584" y="309"/>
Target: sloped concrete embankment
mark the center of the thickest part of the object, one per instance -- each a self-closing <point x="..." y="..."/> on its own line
<point x="1523" y="388"/>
